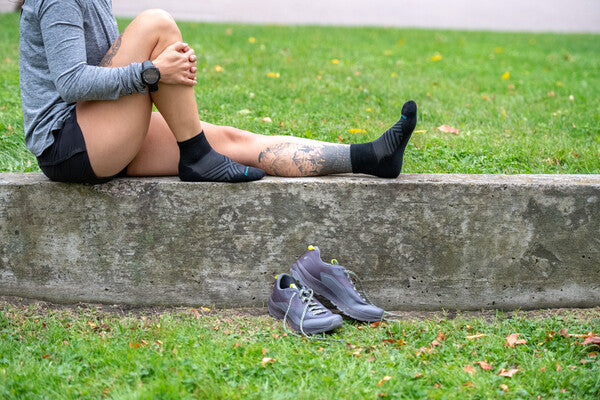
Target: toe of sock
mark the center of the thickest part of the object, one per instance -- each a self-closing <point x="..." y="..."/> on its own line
<point x="409" y="109"/>
<point x="255" y="174"/>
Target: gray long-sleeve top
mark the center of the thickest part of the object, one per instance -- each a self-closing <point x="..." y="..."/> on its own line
<point x="61" y="43"/>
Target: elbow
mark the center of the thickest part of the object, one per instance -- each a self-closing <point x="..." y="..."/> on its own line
<point x="66" y="92"/>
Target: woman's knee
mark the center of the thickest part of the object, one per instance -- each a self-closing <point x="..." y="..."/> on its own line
<point x="160" y="22"/>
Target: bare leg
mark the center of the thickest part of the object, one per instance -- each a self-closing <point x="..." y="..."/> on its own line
<point x="277" y="155"/>
<point x="114" y="131"/>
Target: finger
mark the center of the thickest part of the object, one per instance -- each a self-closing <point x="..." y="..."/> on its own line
<point x="178" y="46"/>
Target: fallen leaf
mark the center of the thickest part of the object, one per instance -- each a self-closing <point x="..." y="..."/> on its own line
<point x="321" y="349"/>
<point x="356" y="130"/>
<point x="551" y="93"/>
<point x="469" y="369"/>
<point x="498" y="49"/>
<point x="592" y="354"/>
<point x="383" y="380"/>
<point x="267" y="360"/>
<point x="264" y="351"/>
<point x="237" y="344"/>
<point x="335" y="61"/>
<point x="436" y="57"/>
<point x="357" y="352"/>
<point x="245" y="111"/>
<point x="394" y="75"/>
<point x="511" y="87"/>
<point x="563" y="390"/>
<point x="418" y="375"/>
<point x="440" y="336"/>
<point x="196" y="313"/>
<point x="508" y="373"/>
<point x="504" y="388"/>
<point x="435" y="342"/>
<point x="559" y="83"/>
<point x="370" y="359"/>
<point x="387" y="53"/>
<point x="558" y="367"/>
<point x="158" y="343"/>
<point x="134" y="345"/>
<point x="46" y="356"/>
<point x="477" y="336"/>
<point x="175" y="351"/>
<point x="273" y="74"/>
<point x="564" y="332"/>
<point x="65" y="342"/>
<point x="267" y="119"/>
<point x="447" y="129"/>
<point x="381" y="394"/>
<point x="469" y="384"/>
<point x="399" y="342"/>
<point x="340" y="138"/>
<point x="594" y="340"/>
<point x="252" y="39"/>
<point x="543" y="369"/>
<point x="437" y="385"/>
<point x="420" y="131"/>
<point x="144" y="342"/>
<point x="506" y="75"/>
<point x="378" y="324"/>
<point x="484" y="365"/>
<point x="205" y="309"/>
<point x="512" y="341"/>
<point x="218" y="68"/>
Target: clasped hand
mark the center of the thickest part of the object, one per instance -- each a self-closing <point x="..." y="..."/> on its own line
<point x="177" y="65"/>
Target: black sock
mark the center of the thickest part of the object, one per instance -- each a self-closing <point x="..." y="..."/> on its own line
<point x="383" y="157"/>
<point x="199" y="162"/>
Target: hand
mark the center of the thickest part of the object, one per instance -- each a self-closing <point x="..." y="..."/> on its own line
<point x="177" y="65"/>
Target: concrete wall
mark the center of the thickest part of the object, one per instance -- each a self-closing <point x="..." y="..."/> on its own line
<point x="419" y="242"/>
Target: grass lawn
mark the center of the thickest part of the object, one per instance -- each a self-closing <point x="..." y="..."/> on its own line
<point x="524" y="103"/>
<point x="72" y="353"/>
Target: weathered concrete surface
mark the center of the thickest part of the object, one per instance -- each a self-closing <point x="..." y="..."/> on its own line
<point x="419" y="242"/>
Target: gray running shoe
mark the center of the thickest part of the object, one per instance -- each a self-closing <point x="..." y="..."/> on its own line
<point x="294" y="303"/>
<point x="333" y="282"/>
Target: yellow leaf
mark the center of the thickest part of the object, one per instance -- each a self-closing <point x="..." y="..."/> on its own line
<point x="383" y="380"/>
<point x="401" y="42"/>
<point x="335" y="61"/>
<point x="420" y="131"/>
<point x="252" y="39"/>
<point x="498" y="49"/>
<point x="559" y="83"/>
<point x="368" y="109"/>
<point x="436" y="57"/>
<point x="267" y="360"/>
<point x="218" y="68"/>
<point x="267" y="119"/>
<point x="394" y="75"/>
<point x="503" y="113"/>
<point x="504" y="388"/>
<point x="175" y="351"/>
<point x="273" y="74"/>
<point x="506" y="75"/>
<point x="387" y="53"/>
<point x="356" y="130"/>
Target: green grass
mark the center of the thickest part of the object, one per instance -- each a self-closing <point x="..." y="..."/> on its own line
<point x="89" y="353"/>
<point x="543" y="119"/>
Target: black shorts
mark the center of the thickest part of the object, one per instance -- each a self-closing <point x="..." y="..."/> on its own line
<point x="66" y="160"/>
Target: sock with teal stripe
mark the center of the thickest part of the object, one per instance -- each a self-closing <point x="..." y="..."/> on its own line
<point x="199" y="162"/>
<point x="383" y="156"/>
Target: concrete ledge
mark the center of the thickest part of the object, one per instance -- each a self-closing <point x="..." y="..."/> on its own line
<point x="420" y="242"/>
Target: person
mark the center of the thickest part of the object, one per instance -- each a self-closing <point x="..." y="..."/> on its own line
<point x="87" y="95"/>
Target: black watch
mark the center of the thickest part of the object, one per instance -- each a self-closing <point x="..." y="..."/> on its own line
<point x="150" y="76"/>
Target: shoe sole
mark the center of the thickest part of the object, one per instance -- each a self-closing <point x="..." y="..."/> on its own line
<point x="275" y="312"/>
<point x="299" y="273"/>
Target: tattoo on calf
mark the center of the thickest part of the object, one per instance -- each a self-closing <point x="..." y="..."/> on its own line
<point x="107" y="59"/>
<point x="292" y="159"/>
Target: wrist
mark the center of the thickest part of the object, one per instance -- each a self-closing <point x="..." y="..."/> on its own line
<point x="150" y="75"/>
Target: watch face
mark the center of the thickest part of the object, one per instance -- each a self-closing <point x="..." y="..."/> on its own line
<point x="150" y="76"/>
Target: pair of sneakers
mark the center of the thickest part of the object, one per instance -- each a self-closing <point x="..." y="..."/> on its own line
<point x="293" y="298"/>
